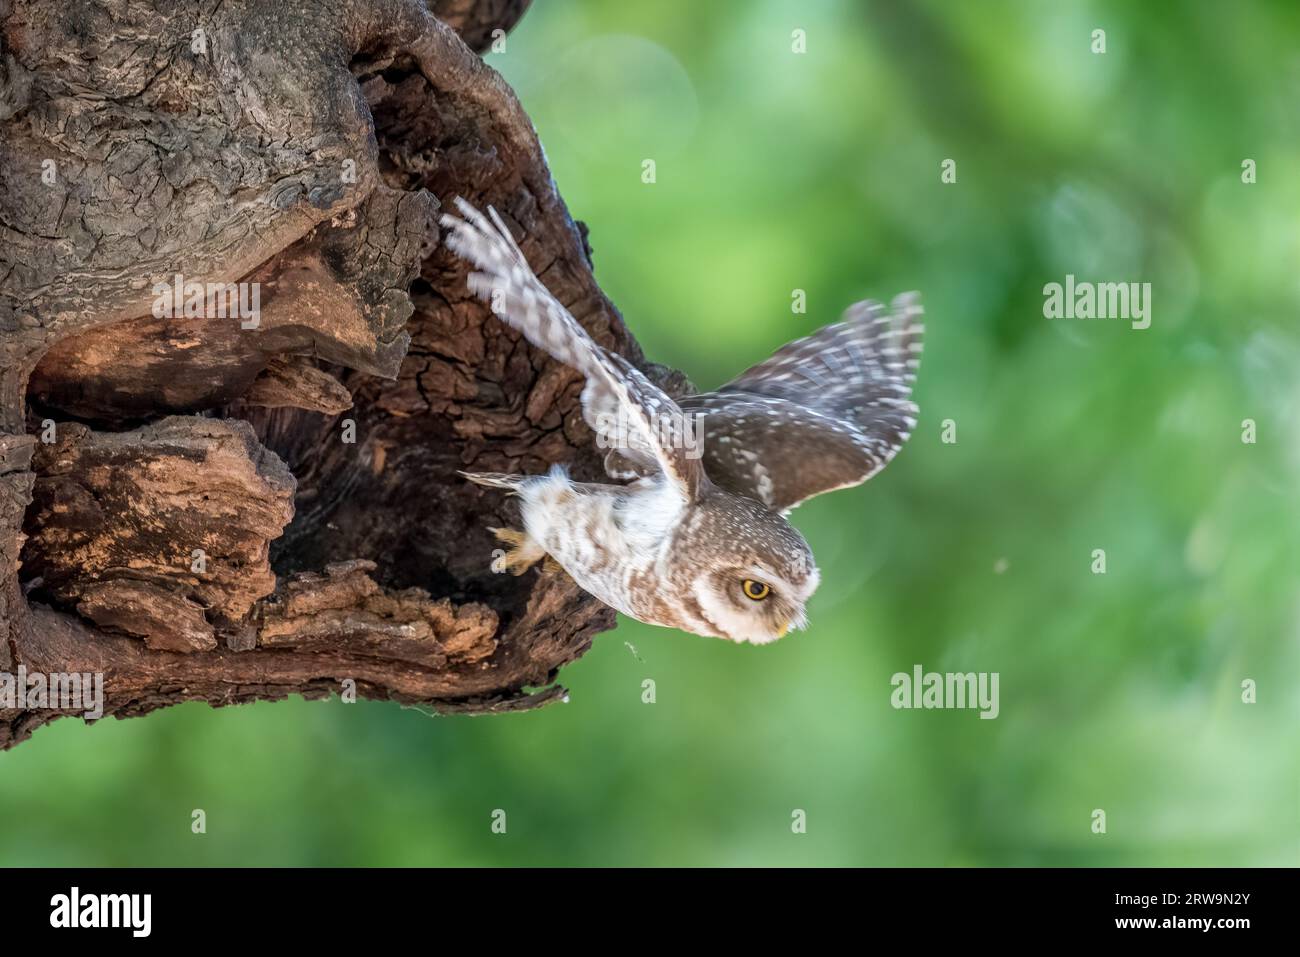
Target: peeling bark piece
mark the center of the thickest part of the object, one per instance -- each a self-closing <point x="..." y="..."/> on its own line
<point x="345" y="609"/>
<point x="145" y="368"/>
<point x="186" y="505"/>
<point x="166" y="621"/>
<point x="297" y="383"/>
<point x="341" y="293"/>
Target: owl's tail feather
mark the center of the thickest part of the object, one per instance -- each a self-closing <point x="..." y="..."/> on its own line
<point x="496" y="479"/>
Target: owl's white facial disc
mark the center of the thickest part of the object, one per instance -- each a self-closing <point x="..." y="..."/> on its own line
<point x="725" y="599"/>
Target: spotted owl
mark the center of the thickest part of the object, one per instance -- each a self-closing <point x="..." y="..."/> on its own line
<point x="697" y="537"/>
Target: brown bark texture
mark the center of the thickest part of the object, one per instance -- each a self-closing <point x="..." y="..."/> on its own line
<point x="225" y="508"/>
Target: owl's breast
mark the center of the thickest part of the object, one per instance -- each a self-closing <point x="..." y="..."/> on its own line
<point x="615" y="542"/>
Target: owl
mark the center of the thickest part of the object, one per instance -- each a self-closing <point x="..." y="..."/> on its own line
<point x="692" y="534"/>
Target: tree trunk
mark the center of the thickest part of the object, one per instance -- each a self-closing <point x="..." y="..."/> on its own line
<point x="238" y="507"/>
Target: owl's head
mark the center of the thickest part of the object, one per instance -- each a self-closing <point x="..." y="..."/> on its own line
<point x="755" y="573"/>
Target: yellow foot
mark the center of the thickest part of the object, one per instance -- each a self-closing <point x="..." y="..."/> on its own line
<point x="522" y="554"/>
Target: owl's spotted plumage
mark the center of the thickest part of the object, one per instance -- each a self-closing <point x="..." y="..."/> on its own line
<point x="824" y="412"/>
<point x="698" y="540"/>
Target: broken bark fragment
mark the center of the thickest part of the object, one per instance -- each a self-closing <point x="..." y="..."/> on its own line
<point x="297" y="383"/>
<point x="175" y="519"/>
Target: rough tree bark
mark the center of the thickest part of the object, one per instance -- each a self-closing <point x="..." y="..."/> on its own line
<point x="180" y="507"/>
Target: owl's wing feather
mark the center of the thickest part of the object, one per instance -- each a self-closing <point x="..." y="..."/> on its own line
<point x="871" y="353"/>
<point x="627" y="410"/>
<point x="824" y="412"/>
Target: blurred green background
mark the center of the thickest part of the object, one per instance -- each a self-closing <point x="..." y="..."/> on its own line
<point x="821" y="171"/>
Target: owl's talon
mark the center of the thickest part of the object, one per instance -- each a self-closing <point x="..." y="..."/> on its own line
<point x="509" y="535"/>
<point x="523" y="553"/>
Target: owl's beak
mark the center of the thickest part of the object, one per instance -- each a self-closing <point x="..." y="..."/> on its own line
<point x="784" y="629"/>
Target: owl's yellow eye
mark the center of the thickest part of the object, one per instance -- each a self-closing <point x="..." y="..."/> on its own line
<point x="755" y="590"/>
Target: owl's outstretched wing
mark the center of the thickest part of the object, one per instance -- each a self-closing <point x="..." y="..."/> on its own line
<point x="625" y="408"/>
<point x="824" y="412"/>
